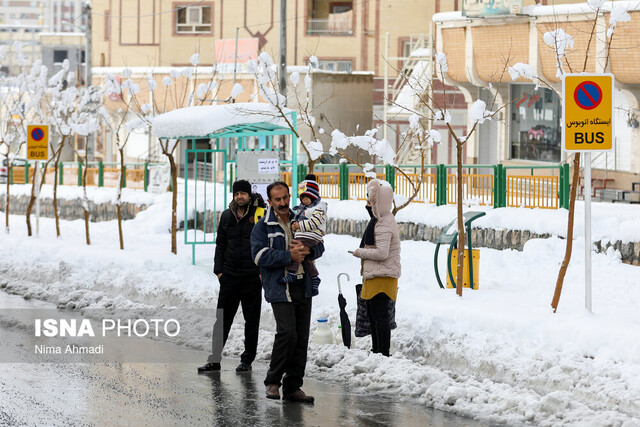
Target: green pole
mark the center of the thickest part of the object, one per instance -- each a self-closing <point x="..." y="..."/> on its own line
<point x="146" y="176"/>
<point x="564" y="202"/>
<point x="470" y="256"/>
<point x="79" y="174"/>
<point x="124" y="176"/>
<point x="302" y="172"/>
<point x="100" y="174"/>
<point x="441" y="185"/>
<point x="61" y="174"/>
<point x="294" y="159"/>
<point x="26" y="172"/>
<point x="343" y="177"/>
<point x="500" y="196"/>
<point x="11" y="175"/>
<point x="390" y="175"/>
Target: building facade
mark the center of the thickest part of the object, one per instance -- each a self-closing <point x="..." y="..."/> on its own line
<point x="345" y="36"/>
<point x="528" y="130"/>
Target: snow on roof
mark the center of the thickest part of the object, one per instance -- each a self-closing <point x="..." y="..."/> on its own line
<point x="538" y="10"/>
<point x="448" y="16"/>
<point x="207" y="119"/>
<point x="421" y="52"/>
<point x="202" y="70"/>
<point x="577" y="8"/>
<point x="303" y="69"/>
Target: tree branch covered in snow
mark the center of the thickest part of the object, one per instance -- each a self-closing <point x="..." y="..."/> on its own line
<point x="266" y="74"/>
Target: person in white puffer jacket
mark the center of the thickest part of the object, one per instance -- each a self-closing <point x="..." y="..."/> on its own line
<point x="381" y="268"/>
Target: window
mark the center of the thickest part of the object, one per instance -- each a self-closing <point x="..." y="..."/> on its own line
<point x="330" y="18"/>
<point x="193" y="20"/>
<point x="60" y="55"/>
<point x="535" y="124"/>
<point x="332" y="65"/>
<point x="339" y="7"/>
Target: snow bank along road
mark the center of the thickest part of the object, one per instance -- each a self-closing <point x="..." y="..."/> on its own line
<point x="497" y="354"/>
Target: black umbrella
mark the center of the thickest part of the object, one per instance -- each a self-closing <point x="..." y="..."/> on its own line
<point x="344" y="318"/>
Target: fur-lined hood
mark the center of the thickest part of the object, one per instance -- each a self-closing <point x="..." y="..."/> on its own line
<point x="381" y="197"/>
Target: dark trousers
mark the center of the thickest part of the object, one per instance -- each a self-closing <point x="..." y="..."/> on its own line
<point x="378" y="308"/>
<point x="311" y="265"/>
<point x="233" y="292"/>
<point x="289" y="355"/>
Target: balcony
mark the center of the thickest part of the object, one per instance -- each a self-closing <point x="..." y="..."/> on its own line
<point x="334" y="24"/>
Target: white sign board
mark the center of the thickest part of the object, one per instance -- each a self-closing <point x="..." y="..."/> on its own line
<point x="268" y="166"/>
<point x="159" y="177"/>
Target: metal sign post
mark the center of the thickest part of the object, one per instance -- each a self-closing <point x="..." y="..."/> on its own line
<point x="588" y="126"/>
<point x="37" y="183"/>
<point x="37" y="149"/>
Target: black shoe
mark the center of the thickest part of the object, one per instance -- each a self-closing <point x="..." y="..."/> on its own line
<point x="243" y="367"/>
<point x="298" y="396"/>
<point x="209" y="367"/>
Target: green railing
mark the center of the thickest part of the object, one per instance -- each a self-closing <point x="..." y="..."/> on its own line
<point x="438" y="184"/>
<point x="100" y="174"/>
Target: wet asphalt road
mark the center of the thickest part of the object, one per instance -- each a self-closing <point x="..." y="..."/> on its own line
<point x="158" y="394"/>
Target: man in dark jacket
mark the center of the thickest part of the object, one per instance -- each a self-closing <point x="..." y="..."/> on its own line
<point x="238" y="276"/>
<point x="273" y="249"/>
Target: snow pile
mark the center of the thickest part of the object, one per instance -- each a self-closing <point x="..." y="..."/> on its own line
<point x="367" y="142"/>
<point x="498" y="354"/>
<point x="522" y="70"/>
<point x="618" y="14"/>
<point x="478" y="112"/>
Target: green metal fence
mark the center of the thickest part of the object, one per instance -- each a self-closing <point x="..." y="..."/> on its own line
<point x="502" y="186"/>
<point x="496" y="186"/>
<point x="100" y="174"/>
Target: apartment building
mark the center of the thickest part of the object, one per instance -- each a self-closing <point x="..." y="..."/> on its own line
<point x="346" y="36"/>
<point x="51" y="31"/>
<point x="59" y="16"/>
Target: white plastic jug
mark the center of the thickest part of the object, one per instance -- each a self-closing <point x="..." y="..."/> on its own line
<point x="323" y="334"/>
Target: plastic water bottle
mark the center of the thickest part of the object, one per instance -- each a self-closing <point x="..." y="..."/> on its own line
<point x="339" y="336"/>
<point x="323" y="334"/>
<point x="339" y="339"/>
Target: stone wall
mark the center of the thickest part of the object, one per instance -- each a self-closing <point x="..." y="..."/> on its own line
<point x="480" y="237"/>
<point x="72" y="209"/>
<point x="630" y="251"/>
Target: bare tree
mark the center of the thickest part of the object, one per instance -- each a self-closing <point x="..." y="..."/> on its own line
<point x="12" y="133"/>
<point x="265" y="73"/>
<point x="116" y="122"/>
<point x="179" y="91"/>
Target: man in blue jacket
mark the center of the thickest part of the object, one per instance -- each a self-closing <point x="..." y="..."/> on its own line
<point x="273" y="249"/>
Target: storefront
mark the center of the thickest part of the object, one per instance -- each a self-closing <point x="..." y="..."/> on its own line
<point x="534" y="129"/>
<point x="527" y="126"/>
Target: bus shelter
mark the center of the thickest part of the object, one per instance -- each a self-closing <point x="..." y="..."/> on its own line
<point x="209" y="172"/>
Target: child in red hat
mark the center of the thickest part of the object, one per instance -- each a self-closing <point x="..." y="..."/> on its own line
<point x="309" y="226"/>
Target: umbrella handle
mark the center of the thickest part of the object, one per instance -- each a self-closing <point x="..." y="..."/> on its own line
<point x="339" y="275"/>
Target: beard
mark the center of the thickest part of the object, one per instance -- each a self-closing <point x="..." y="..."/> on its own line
<point x="242" y="203"/>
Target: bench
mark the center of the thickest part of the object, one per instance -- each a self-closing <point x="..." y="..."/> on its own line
<point x="594" y="187"/>
<point x="635" y="189"/>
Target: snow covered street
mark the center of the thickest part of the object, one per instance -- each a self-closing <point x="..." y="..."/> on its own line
<point x="498" y="354"/>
